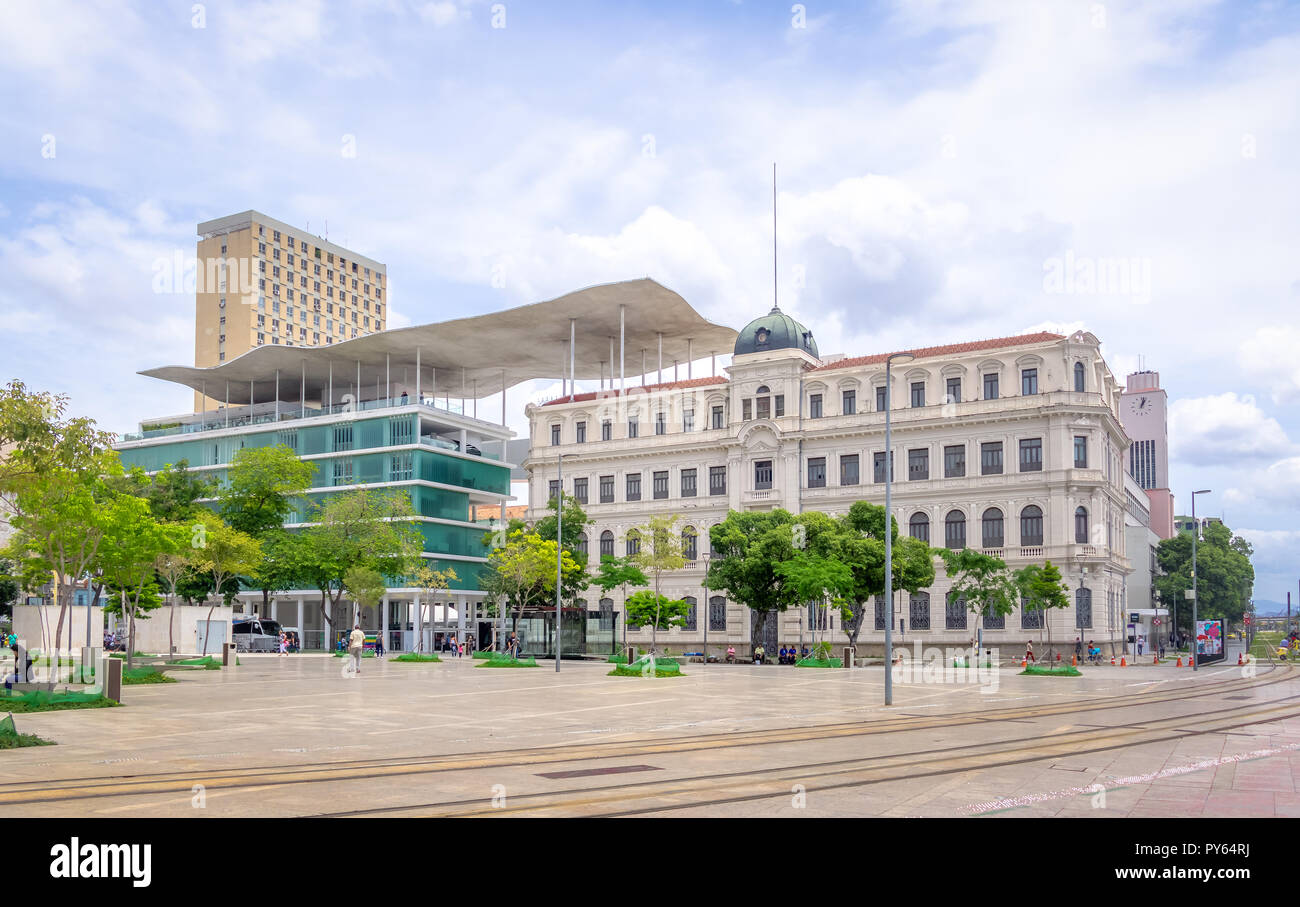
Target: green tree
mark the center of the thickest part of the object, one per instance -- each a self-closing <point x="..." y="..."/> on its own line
<point x="1225" y="577"/>
<point x="523" y="572"/>
<point x="431" y="582"/>
<point x="171" y="567"/>
<point x="819" y="570"/>
<point x="57" y="483"/>
<point x="362" y="528"/>
<point x="659" y="612"/>
<point x="981" y="581"/>
<point x="660" y="551"/>
<point x="620" y="573"/>
<point x="574" y="526"/>
<point x="225" y="554"/>
<point x="173" y="492"/>
<point x="366" y="586"/>
<point x="9" y="587"/>
<point x="748" y="546"/>
<point x="1042" y="590"/>
<point x="128" y="557"/>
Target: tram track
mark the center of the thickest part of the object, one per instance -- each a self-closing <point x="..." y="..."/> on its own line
<point x="181" y="781"/>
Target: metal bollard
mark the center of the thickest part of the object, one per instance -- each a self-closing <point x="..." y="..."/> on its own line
<point x="850" y="653"/>
<point x="112" y="678"/>
<point x="228" y="656"/>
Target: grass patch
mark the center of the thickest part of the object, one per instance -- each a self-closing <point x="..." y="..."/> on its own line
<point x="819" y="663"/>
<point x="144" y="675"/>
<point x="412" y="656"/>
<point x="625" y="671"/>
<point x="485" y="653"/>
<point x="136" y="655"/>
<point x="53" y="702"/>
<point x="205" y="662"/>
<point x="1062" y="671"/>
<point x="525" y="662"/>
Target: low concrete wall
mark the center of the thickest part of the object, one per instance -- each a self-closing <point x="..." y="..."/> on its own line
<point x="151" y="634"/>
<point x="35" y="626"/>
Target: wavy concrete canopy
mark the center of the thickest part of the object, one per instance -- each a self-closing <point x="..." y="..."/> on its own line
<point x="473" y="357"/>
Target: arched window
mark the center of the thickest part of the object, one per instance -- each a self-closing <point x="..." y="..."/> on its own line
<point x="1083" y="608"/>
<point x="606" y="544"/>
<point x="689" y="623"/>
<point x="717" y="613"/>
<point x="954" y="531"/>
<point x="918" y="527"/>
<point x="1031" y="526"/>
<point x="607" y="613"/>
<point x="584" y="553"/>
<point x="690" y="543"/>
<point x="954" y="614"/>
<point x="1081" y="525"/>
<point x="880" y="612"/>
<point x="992" y="528"/>
<point x="1031" y="618"/>
<point x="1080" y="383"/>
<point x="763" y="389"/>
<point x="633" y="542"/>
<point x="919" y="611"/>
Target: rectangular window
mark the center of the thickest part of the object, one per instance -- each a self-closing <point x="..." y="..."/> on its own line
<point x="581" y="432"/>
<point x="880" y="399"/>
<point x="764" y="407"/>
<point x="878" y="466"/>
<point x="849" y="469"/>
<point x="1029" y="381"/>
<point x="954" y="461"/>
<point x="661" y="425"/>
<point x="606" y="430"/>
<point x="717" y="480"/>
<point x="1080" y="452"/>
<point x="850" y="403"/>
<point x="633" y="427"/>
<point x="817" y="472"/>
<point x="717" y="417"/>
<point x="991" y="458"/>
<point x="343" y="437"/>
<point x="606" y="489"/>
<point x="746" y="409"/>
<point x="954" y="390"/>
<point x="918" y="464"/>
<point x="634" y="487"/>
<point x="661" y="485"/>
<point x="918" y="393"/>
<point x="762" y="474"/>
<point x="552" y="490"/>
<point x="555" y="435"/>
<point x="991" y="386"/>
<point x="1031" y="455"/>
<point x="343" y="471"/>
<point x="815" y="406"/>
<point x="580" y="490"/>
<point x="688" y="483"/>
<point x="688" y="420"/>
<point x="779" y="405"/>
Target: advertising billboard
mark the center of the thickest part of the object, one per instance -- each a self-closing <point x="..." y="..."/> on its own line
<point x="1209" y="641"/>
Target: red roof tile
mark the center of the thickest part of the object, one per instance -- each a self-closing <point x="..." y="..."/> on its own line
<point x="949" y="350"/>
<point x="639" y="389"/>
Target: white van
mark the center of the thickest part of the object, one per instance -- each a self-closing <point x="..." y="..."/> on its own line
<point x="255" y="634"/>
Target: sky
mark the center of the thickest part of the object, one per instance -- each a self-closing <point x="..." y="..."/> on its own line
<point x="940" y="164"/>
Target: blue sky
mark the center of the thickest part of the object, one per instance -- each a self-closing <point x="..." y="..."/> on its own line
<point x="935" y="158"/>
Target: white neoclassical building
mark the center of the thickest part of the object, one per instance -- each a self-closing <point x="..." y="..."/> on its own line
<point x="1012" y="445"/>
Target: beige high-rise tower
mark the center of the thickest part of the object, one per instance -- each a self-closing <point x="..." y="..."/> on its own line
<point x="261" y="282"/>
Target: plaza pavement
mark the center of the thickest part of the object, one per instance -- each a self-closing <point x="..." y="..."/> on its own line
<point x="301" y="711"/>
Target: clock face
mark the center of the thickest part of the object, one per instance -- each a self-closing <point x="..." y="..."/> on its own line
<point x="1141" y="405"/>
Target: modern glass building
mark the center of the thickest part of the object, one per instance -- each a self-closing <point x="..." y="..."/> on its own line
<point x="399" y="409"/>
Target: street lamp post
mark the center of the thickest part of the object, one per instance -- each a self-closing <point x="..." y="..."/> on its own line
<point x="889" y="526"/>
<point x="559" y="554"/>
<point x="1196" y="531"/>
<point x="1078" y="598"/>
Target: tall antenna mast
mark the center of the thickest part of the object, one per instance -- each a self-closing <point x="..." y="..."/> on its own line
<point x="775" y="303"/>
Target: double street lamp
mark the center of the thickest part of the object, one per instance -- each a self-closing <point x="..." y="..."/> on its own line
<point x="559" y="553"/>
<point x="889" y="526"/>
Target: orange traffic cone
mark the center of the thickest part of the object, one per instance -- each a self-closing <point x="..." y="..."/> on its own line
<point x="1180" y="662"/>
<point x="1074" y="661"/>
<point x="1239" y="661"/>
<point x="1112" y="661"/>
<point x="1123" y="662"/>
<point x="1155" y="659"/>
<point x="1190" y="661"/>
<point x="1024" y="662"/>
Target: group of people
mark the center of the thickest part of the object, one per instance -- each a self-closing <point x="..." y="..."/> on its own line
<point x="787" y="656"/>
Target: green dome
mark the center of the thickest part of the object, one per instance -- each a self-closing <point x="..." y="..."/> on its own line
<point x="775" y="331"/>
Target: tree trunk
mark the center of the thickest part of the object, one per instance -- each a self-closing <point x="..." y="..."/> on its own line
<point x="171" y="627"/>
<point x="130" y="639"/>
<point x="61" y="597"/>
<point x="209" y="631"/>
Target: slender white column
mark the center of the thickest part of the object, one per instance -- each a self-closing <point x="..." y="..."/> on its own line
<point x="331" y="400"/>
<point x="418" y="398"/>
<point x="302" y="627"/>
<point x="302" y="394"/>
<point x="573" y="329"/>
<point x="277" y="399"/>
<point x="388" y="377"/>
<point x="418" y="643"/>
<point x="227" y="404"/>
<point x="460" y="618"/>
<point x="690" y="358"/>
<point x="661" y="358"/>
<point x="383" y="622"/>
<point x="356" y="398"/>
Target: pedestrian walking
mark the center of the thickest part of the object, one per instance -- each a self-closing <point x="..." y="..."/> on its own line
<point x="379" y="645"/>
<point x="356" y="643"/>
<point x="284" y="643"/>
<point x="1029" y="651"/>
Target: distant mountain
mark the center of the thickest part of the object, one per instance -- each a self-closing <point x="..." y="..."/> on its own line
<point x="1267" y="608"/>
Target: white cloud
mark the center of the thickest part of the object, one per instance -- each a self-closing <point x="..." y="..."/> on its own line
<point x="1224" y="429"/>
<point x="1271" y="356"/>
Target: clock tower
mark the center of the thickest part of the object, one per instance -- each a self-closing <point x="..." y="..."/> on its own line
<point x="1143" y="411"/>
